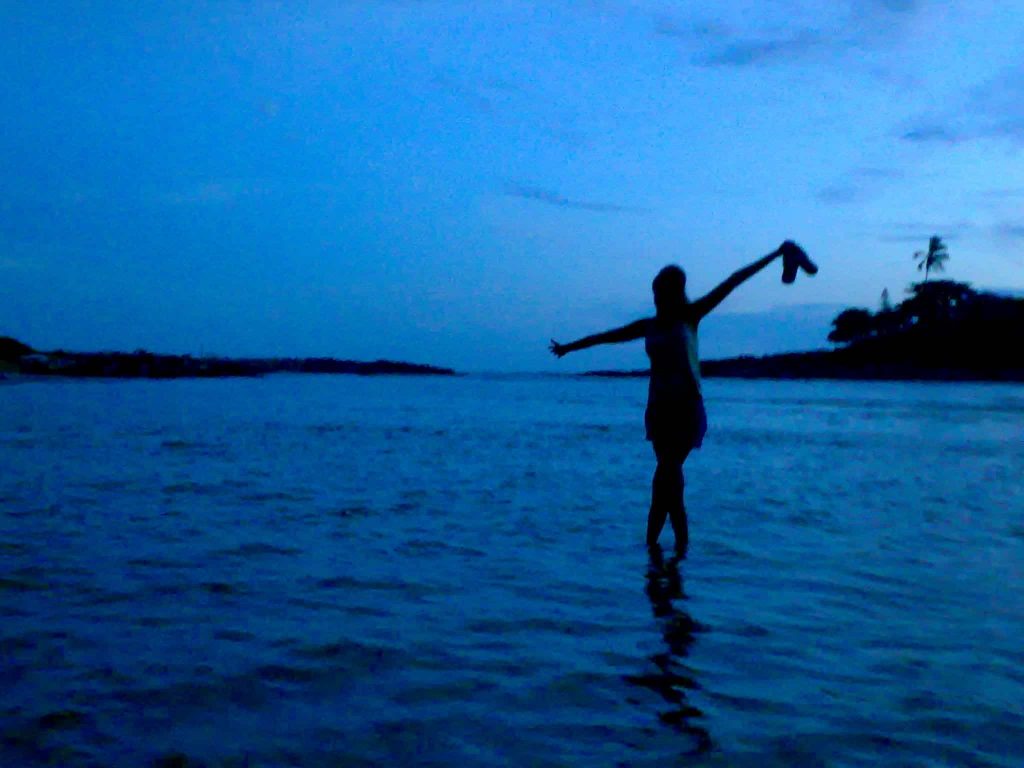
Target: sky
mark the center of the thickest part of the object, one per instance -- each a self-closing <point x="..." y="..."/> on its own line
<point x="458" y="182"/>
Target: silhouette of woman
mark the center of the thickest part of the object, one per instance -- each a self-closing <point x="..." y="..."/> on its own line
<point x="675" y="418"/>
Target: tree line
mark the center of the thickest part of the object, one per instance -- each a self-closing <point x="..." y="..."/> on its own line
<point x="940" y="322"/>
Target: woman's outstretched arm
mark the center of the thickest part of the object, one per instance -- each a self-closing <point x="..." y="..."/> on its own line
<point x="705" y="304"/>
<point x="635" y="330"/>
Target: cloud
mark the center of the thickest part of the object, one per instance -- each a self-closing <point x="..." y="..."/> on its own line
<point x="484" y="94"/>
<point x="931" y="133"/>
<point x="670" y="27"/>
<point x="918" y="238"/>
<point x="570" y="137"/>
<point x="877" y="173"/>
<point x="554" y="198"/>
<point x="474" y="95"/>
<point x="918" y="232"/>
<point x="886" y="11"/>
<point x="501" y="100"/>
<point x="1010" y="231"/>
<point x="759" y="40"/>
<point x="1003" y="193"/>
<point x="724" y="48"/>
<point x="840" y="194"/>
<point x="993" y="109"/>
<point x="895" y="6"/>
<point x="745" y="53"/>
<point x="857" y="185"/>
<point x="215" y="192"/>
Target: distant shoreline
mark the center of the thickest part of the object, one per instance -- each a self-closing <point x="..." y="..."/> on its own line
<point x="842" y="364"/>
<point x="21" y="360"/>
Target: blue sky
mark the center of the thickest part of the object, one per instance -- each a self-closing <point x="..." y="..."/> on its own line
<point x="457" y="182"/>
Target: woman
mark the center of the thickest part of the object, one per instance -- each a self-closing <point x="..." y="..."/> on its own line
<point x="675" y="417"/>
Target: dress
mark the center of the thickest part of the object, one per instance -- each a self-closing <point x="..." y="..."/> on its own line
<point x="675" y="407"/>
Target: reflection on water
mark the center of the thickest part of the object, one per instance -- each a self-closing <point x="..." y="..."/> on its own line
<point x="674" y="677"/>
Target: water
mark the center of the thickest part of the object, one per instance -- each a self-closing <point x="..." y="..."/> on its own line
<point x="425" y="571"/>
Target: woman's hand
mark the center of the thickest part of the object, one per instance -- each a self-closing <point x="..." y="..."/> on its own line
<point x="558" y="350"/>
<point x="787" y="246"/>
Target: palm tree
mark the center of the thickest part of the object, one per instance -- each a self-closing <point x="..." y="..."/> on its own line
<point x="933" y="258"/>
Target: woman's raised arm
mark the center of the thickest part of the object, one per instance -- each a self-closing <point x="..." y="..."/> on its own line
<point x="714" y="297"/>
<point x="635" y="330"/>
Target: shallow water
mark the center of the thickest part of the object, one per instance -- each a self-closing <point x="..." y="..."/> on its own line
<point x="344" y="571"/>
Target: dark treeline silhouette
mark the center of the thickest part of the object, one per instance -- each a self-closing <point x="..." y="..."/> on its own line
<point x="944" y="330"/>
<point x="12" y="349"/>
<point x="942" y="325"/>
<point x="20" y="358"/>
<point x="936" y="310"/>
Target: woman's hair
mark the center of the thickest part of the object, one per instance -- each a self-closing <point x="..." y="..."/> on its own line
<point x="669" y="288"/>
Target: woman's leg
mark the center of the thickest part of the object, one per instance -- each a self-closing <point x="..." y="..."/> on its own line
<point x="667" y="495"/>
<point x="659" y="509"/>
<point x="677" y="512"/>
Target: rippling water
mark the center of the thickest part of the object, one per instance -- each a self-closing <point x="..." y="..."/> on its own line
<point x="347" y="571"/>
